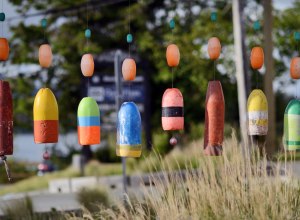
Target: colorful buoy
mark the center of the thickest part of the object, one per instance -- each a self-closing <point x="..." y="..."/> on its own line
<point x="4" y="49"/>
<point x="129" y="131"/>
<point x="2" y="16"/>
<point x="214" y="119"/>
<point x="257" y="57"/>
<point x="257" y="107"/>
<point x="173" y="55"/>
<point x="295" y="68"/>
<point x="129" y="69"/>
<point x="214" y="48"/>
<point x="87" y="65"/>
<point x="45" y="55"/>
<point x="173" y="141"/>
<point x="6" y="119"/>
<point x="292" y="126"/>
<point x="172" y="117"/>
<point x="45" y="117"/>
<point x="88" y="122"/>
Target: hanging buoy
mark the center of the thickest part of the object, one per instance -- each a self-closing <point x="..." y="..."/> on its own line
<point x="292" y="126"/>
<point x="295" y="68"/>
<point x="129" y="131"/>
<point x="257" y="107"/>
<point x="173" y="55"/>
<point x="172" y="117"/>
<point x="129" y="69"/>
<point x="87" y="65"/>
<point x="4" y="49"/>
<point x="45" y="117"/>
<point x="6" y="119"/>
<point x="88" y="122"/>
<point x="173" y="141"/>
<point x="46" y="155"/>
<point x="45" y="55"/>
<point x="214" y="48"/>
<point x="214" y="119"/>
<point x="257" y="57"/>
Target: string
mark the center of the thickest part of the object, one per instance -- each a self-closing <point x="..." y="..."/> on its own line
<point x="88" y="88"/>
<point x="129" y="46"/>
<point x="3" y="21"/>
<point x="215" y="69"/>
<point x="87" y="23"/>
<point x="172" y="69"/>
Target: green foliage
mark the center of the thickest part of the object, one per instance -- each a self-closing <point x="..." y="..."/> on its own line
<point x="92" y="199"/>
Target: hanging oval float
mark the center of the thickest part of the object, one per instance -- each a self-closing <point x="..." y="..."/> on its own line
<point x="129" y="131"/>
<point x="172" y="117"/>
<point x="295" y="68"/>
<point x="291" y="131"/>
<point x="6" y="119"/>
<point x="45" y="55"/>
<point x="4" y="49"/>
<point x="173" y="55"/>
<point x="88" y="117"/>
<point x="87" y="65"/>
<point x="45" y="117"/>
<point x="257" y="57"/>
<point x="129" y="69"/>
<point x="257" y="107"/>
<point x="214" y="48"/>
<point x="214" y="119"/>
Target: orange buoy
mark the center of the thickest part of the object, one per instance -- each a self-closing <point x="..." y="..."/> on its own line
<point x="45" y="55"/>
<point x="87" y="65"/>
<point x="214" y="119"/>
<point x="173" y="55"/>
<point x="129" y="69"/>
<point x="214" y="48"/>
<point x="295" y="68"/>
<point x="257" y="57"/>
<point x="172" y="110"/>
<point x="4" y="49"/>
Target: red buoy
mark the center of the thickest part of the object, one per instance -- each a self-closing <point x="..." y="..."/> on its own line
<point x="214" y="119"/>
<point x="172" y="110"/>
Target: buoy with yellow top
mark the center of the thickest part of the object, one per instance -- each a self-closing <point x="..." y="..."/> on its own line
<point x="45" y="117"/>
<point x="257" y="111"/>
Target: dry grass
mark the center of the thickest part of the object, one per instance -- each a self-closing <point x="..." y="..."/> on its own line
<point x="234" y="186"/>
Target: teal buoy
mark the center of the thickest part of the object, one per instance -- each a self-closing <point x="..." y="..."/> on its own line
<point x="172" y="24"/>
<point x="297" y="36"/>
<point x="2" y="16"/>
<point x="44" y="22"/>
<point x="88" y="33"/>
<point x="213" y="16"/>
<point x="129" y="38"/>
<point x="256" y="25"/>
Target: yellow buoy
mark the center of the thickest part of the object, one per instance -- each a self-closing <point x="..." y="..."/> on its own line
<point x="257" y="108"/>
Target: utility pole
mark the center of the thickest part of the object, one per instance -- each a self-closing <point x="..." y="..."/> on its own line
<point x="269" y="77"/>
<point x="241" y="67"/>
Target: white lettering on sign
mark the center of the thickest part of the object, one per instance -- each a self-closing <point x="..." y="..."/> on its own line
<point x="97" y="93"/>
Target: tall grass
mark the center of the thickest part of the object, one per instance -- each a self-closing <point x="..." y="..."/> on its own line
<point x="237" y="185"/>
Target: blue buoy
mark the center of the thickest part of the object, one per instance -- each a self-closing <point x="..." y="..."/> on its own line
<point x="129" y="38"/>
<point x="88" y="33"/>
<point x="2" y="16"/>
<point x="129" y="131"/>
<point x="172" y="24"/>
<point x="297" y="36"/>
<point x="44" y="22"/>
<point x="213" y="16"/>
<point x="256" y="25"/>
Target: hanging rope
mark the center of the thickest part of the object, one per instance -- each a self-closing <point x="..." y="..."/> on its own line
<point x="3" y="158"/>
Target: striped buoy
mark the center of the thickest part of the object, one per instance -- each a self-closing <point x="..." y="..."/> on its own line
<point x="129" y="131"/>
<point x="172" y="117"/>
<point x="214" y="119"/>
<point x="88" y="121"/>
<point x="292" y="125"/>
<point x="6" y="119"/>
<point x="257" y="107"/>
<point x="45" y="117"/>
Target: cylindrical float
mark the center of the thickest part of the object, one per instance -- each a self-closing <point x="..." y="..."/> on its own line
<point x="172" y="115"/>
<point x="295" y="68"/>
<point x="6" y="119"/>
<point x="45" y="55"/>
<point x="45" y="117"/>
<point x="4" y="49"/>
<point x="129" y="69"/>
<point x="257" y="57"/>
<point x="88" y="122"/>
<point x="214" y="48"/>
<point x="87" y="65"/>
<point x="129" y="131"/>
<point x="257" y="111"/>
<point x="291" y="129"/>
<point x="214" y="119"/>
<point x="173" y="55"/>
